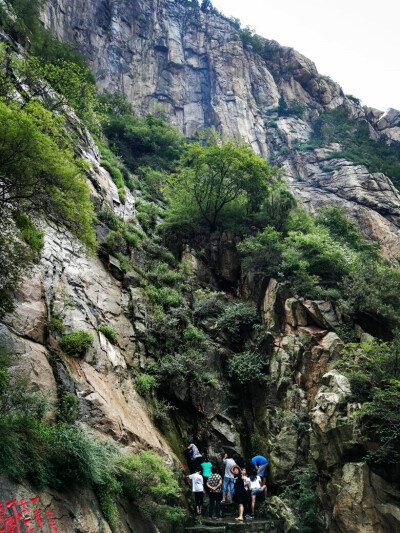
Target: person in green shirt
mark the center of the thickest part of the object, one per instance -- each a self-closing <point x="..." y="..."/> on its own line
<point x="206" y="469"/>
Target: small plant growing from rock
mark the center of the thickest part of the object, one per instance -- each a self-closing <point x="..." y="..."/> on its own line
<point x="144" y="384"/>
<point x="68" y="407"/>
<point x="76" y="343"/>
<point x="56" y="325"/>
<point x="108" y="332"/>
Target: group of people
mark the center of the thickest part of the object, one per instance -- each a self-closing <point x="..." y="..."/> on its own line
<point x="237" y="485"/>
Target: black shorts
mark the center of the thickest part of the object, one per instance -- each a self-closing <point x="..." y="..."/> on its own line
<point x="198" y="498"/>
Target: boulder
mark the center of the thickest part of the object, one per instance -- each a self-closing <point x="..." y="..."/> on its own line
<point x="364" y="501"/>
<point x="332" y="423"/>
<point x="281" y="511"/>
<point x="321" y="313"/>
<point x="295" y="313"/>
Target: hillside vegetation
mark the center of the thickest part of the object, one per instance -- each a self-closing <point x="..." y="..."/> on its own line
<point x="191" y="191"/>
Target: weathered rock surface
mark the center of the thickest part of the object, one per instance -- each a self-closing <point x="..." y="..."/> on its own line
<point x="194" y="65"/>
<point x="363" y="502"/>
<point x="77" y="510"/>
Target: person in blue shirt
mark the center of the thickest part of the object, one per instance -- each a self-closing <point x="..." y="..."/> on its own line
<point x="261" y="464"/>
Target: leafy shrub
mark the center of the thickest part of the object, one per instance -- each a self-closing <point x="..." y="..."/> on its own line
<point x="106" y="215"/>
<point x="108" y="332"/>
<point x="145" y="383"/>
<point x="116" y="177"/>
<point x="314" y="255"/>
<point x="13" y="261"/>
<point x="145" y="479"/>
<point x="346" y="333"/>
<point x="164" y="296"/>
<point x="315" y="258"/>
<point x="381" y="423"/>
<point x="276" y="209"/>
<point x="238" y="319"/>
<point x="160" y="252"/>
<point x="218" y="182"/>
<point x="161" y="274"/>
<point x="53" y="178"/>
<point x="373" y="369"/>
<point x="247" y="367"/>
<point x="148" y="213"/>
<point x="294" y="107"/>
<point x="161" y="410"/>
<point x="193" y="336"/>
<point x="29" y="232"/>
<point x="369" y="364"/>
<point x="141" y="142"/>
<point x="76" y="343"/>
<point x="187" y="367"/>
<point x="249" y="38"/>
<point x="301" y="493"/>
<point x="152" y="181"/>
<point x="68" y="406"/>
<point x="208" y="304"/>
<point x="371" y="287"/>
<point x="377" y="155"/>
<point x="56" y="325"/>
<point x="342" y="229"/>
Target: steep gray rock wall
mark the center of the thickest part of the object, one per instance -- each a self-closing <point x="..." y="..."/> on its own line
<point x="164" y="54"/>
<point x="194" y="65"/>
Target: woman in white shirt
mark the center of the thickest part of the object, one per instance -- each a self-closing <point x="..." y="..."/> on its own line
<point x="197" y="488"/>
<point x="256" y="487"/>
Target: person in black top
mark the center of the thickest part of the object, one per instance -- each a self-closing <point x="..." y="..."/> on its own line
<point x="240" y="496"/>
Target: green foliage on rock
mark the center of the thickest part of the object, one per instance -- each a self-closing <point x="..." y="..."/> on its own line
<point x="140" y="142"/>
<point x="76" y="343"/>
<point x="13" y="262"/>
<point x="337" y="126"/>
<point x="373" y="369"/>
<point x="144" y="383"/>
<point x="324" y="258"/>
<point x="146" y="481"/>
<point x="68" y="407"/>
<point x="219" y="181"/>
<point x="237" y="320"/>
<point x="108" y="332"/>
<point x="62" y="455"/>
<point x="247" y="367"/>
<point x="180" y="368"/>
<point x="291" y="108"/>
<point x="372" y="288"/>
<point x="164" y="296"/>
<point x="250" y="38"/>
<point x="117" y="178"/>
<point x="39" y="174"/>
<point x="301" y="493"/>
<point x="30" y="233"/>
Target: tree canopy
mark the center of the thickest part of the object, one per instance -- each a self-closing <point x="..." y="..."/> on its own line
<point x="38" y="174"/>
<point x="217" y="176"/>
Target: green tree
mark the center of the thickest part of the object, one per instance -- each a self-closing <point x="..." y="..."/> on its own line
<point x="372" y="288"/>
<point x="38" y="174"/>
<point x="217" y="174"/>
<point x="141" y="142"/>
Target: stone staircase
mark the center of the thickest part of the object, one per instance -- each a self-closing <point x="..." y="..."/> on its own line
<point x="228" y="524"/>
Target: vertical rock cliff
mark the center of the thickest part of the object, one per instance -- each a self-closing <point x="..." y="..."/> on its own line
<point x="171" y="57"/>
<point x="193" y="65"/>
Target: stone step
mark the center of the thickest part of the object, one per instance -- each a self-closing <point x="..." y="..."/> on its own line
<point x="205" y="529"/>
<point x="229" y="525"/>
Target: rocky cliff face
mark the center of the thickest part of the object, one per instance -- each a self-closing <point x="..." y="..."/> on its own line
<point x="169" y="55"/>
<point x="194" y="64"/>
